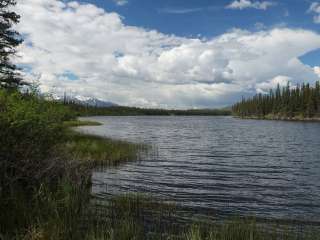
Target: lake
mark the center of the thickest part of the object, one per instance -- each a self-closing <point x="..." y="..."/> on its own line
<point x="219" y="165"/>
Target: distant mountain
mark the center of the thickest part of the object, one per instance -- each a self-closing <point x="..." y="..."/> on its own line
<point x="86" y="101"/>
<point x="94" y="102"/>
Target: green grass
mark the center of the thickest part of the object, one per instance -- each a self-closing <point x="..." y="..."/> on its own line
<point x="246" y="229"/>
<point x="135" y="216"/>
<point x="97" y="151"/>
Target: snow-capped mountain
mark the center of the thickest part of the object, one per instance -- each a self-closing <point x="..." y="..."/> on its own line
<point x="88" y="101"/>
<point x="97" y="103"/>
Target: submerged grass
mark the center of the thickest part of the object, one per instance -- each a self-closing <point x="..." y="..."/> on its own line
<point x="246" y="229"/>
<point x="132" y="216"/>
<point x="138" y="217"/>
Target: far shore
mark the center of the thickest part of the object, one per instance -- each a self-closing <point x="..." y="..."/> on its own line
<point x="281" y="118"/>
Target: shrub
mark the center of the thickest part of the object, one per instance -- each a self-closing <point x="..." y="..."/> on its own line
<point x="30" y="129"/>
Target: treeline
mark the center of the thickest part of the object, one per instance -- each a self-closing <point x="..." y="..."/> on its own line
<point x="86" y="110"/>
<point x="300" y="102"/>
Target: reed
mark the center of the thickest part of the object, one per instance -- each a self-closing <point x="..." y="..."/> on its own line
<point x="95" y="151"/>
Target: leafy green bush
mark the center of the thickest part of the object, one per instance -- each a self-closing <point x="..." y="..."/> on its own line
<point x="35" y="174"/>
<point x="30" y="129"/>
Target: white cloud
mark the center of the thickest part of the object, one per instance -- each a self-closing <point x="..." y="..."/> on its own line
<point x="242" y="4"/>
<point x="317" y="71"/>
<point x="180" y="10"/>
<point x="134" y="66"/>
<point x="315" y="9"/>
<point x="121" y="2"/>
<point x="280" y="80"/>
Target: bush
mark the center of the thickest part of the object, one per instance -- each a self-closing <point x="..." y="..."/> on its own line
<point x="36" y="176"/>
<point x="30" y="130"/>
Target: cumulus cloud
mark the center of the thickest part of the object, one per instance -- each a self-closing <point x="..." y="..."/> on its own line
<point x="86" y="51"/>
<point x="242" y="4"/>
<point x="315" y="9"/>
<point x="282" y="81"/>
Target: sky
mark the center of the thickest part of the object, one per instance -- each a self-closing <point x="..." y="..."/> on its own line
<point x="168" y="53"/>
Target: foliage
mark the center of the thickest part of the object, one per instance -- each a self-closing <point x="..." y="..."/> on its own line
<point x="30" y="130"/>
<point x="287" y="103"/>
<point x="34" y="173"/>
<point x="9" y="40"/>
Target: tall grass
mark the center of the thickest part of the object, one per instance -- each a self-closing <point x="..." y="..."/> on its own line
<point x="97" y="151"/>
<point x="248" y="229"/>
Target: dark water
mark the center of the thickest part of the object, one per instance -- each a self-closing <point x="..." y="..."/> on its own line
<point x="269" y="169"/>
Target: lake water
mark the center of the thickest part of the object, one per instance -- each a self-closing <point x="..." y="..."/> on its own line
<point x="219" y="165"/>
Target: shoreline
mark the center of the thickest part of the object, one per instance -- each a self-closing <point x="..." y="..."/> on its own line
<point x="274" y="118"/>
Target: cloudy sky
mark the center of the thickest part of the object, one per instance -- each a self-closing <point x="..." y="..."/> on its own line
<point x="169" y="53"/>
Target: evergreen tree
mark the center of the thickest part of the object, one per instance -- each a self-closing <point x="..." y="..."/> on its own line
<point x="9" y="40"/>
<point x="282" y="103"/>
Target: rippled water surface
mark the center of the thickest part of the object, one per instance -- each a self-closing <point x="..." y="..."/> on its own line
<point x="220" y="164"/>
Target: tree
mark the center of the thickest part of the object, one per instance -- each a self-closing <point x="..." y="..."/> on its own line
<point x="9" y="40"/>
<point x="287" y="102"/>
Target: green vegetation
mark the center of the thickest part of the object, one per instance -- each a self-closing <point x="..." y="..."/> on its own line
<point x="36" y="179"/>
<point x="246" y="229"/>
<point x="45" y="168"/>
<point x="98" y="151"/>
<point x="299" y="103"/>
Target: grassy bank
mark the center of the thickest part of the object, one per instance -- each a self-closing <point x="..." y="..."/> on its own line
<point x="45" y="190"/>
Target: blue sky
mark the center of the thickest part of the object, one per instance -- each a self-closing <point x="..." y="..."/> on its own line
<point x="208" y="18"/>
<point x="186" y="54"/>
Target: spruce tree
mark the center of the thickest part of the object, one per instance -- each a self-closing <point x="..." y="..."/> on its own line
<point x="9" y="40"/>
<point x="287" y="102"/>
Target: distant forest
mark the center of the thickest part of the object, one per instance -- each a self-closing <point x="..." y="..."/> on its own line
<point x="86" y="110"/>
<point x="300" y="102"/>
